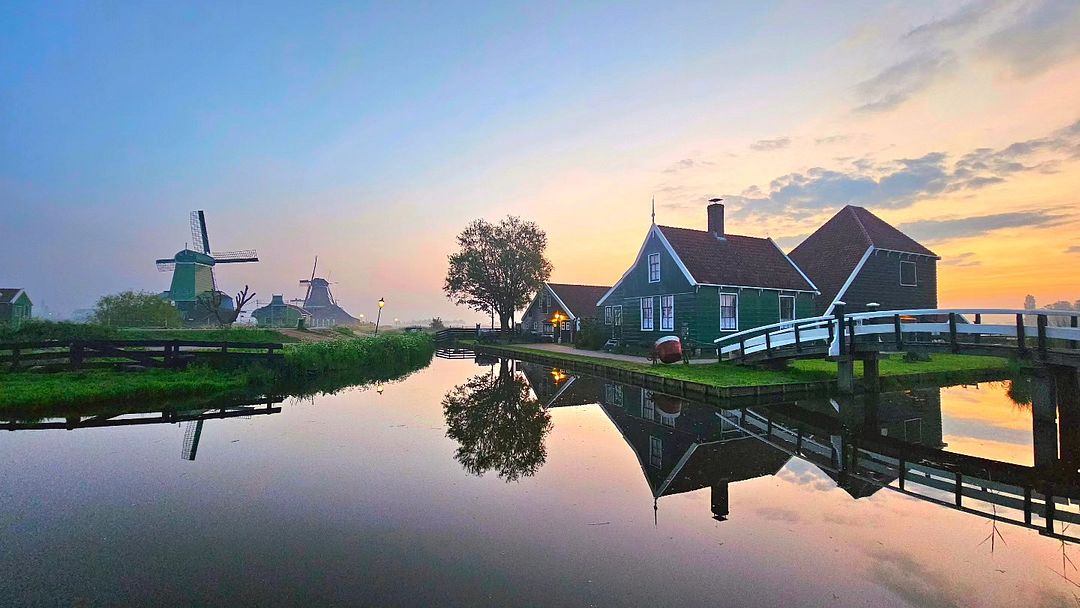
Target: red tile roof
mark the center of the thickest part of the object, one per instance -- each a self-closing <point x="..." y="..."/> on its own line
<point x="831" y="253"/>
<point x="580" y="299"/>
<point x="734" y="260"/>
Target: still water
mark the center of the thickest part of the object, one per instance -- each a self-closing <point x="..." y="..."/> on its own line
<point x="501" y="483"/>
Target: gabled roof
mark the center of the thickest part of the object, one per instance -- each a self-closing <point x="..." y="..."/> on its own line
<point x="734" y="260"/>
<point x="10" y="294"/>
<point x="578" y="300"/>
<point x="837" y="249"/>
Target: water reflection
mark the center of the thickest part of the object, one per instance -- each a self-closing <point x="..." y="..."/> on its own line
<point x="498" y="424"/>
<point x="865" y="444"/>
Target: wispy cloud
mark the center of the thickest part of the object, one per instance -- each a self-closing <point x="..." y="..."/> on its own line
<point x="901" y="182"/>
<point x="979" y="225"/>
<point x="1074" y="249"/>
<point x="962" y="260"/>
<point x="832" y="139"/>
<point x="899" y="82"/>
<point x="767" y="145"/>
<point x="962" y="21"/>
<point x="1039" y="35"/>
<point x="688" y="163"/>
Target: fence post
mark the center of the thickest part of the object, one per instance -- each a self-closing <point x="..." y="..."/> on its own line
<point x="1073" y="324"/>
<point x="75" y="355"/>
<point x="1021" y="341"/>
<point x="898" y="332"/>
<point x="978" y="321"/>
<point x="768" y="345"/>
<point x="838" y="312"/>
<point x="14" y="359"/>
<point x="952" y="332"/>
<point x="851" y="334"/>
<point x="1040" y="322"/>
<point x="798" y="344"/>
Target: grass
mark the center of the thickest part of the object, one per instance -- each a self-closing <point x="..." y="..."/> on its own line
<point x="728" y="374"/>
<point x="38" y="330"/>
<point x="308" y="368"/>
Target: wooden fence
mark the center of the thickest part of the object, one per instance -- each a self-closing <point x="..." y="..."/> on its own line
<point x="169" y="354"/>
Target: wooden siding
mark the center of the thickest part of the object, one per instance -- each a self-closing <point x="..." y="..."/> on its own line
<point x="879" y="281"/>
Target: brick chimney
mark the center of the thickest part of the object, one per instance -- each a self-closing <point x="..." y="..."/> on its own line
<point x="716" y="218"/>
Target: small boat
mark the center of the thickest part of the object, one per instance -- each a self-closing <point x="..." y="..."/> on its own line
<point x="668" y="349"/>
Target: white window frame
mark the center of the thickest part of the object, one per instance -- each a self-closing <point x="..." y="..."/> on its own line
<point x="780" y="309"/>
<point x="609" y="318"/>
<point x="648" y="406"/>
<point x="736" y="307"/>
<point x="653" y="256"/>
<point x="656" y="452"/>
<point x="914" y="273"/>
<point x="648" y="323"/>
<point x="670" y="325"/>
<point x="616" y="315"/>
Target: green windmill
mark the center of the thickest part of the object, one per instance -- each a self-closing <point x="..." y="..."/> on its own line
<point x="193" y="270"/>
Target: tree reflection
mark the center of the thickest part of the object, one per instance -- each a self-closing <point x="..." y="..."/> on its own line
<point x="497" y="425"/>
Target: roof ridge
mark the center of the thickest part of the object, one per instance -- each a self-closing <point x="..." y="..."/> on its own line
<point x="858" y="220"/>
<point x="726" y="234"/>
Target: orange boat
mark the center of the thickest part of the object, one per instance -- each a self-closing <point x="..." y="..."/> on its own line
<point x="668" y="349"/>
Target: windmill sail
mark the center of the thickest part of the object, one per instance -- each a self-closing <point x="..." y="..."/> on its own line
<point x="199" y="239"/>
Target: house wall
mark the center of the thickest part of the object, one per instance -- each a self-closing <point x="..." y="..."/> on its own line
<point x="879" y="281"/>
<point x="18" y="311"/>
<point x="697" y="308"/>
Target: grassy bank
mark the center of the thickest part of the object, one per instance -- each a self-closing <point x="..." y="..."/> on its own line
<point x="37" y="330"/>
<point x="308" y="368"/>
<point x="726" y="374"/>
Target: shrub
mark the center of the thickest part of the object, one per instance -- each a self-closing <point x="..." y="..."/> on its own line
<point x="35" y="330"/>
<point x="592" y="336"/>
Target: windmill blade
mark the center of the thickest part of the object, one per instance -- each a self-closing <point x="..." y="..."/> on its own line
<point x="308" y="294"/>
<point x="235" y="257"/>
<point x="200" y="242"/>
<point x="166" y="264"/>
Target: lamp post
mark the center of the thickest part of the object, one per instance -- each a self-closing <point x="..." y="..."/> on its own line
<point x="378" y="318"/>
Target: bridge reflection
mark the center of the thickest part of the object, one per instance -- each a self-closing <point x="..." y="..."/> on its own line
<point x="192" y="419"/>
<point x="865" y="444"/>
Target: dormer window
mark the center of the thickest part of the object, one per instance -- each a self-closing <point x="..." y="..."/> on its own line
<point x="654" y="267"/>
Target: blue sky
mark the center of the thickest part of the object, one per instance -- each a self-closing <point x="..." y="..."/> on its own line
<point x="370" y="133"/>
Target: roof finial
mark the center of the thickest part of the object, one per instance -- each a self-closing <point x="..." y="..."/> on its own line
<point x="654" y="210"/>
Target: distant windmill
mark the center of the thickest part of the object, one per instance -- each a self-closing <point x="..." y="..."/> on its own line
<point x="193" y="269"/>
<point x="320" y="302"/>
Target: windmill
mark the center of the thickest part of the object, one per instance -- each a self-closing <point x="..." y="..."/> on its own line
<point x="193" y="269"/>
<point x="320" y="302"/>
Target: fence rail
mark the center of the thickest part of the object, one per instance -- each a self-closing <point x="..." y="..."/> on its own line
<point x="80" y="354"/>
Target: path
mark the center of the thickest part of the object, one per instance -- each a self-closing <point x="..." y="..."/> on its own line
<point x="599" y="354"/>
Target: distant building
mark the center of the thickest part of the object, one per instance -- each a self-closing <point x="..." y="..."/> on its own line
<point x="278" y="313"/>
<point x="557" y="308"/>
<point x="15" y="306"/>
<point x="858" y="258"/>
<point x="705" y="284"/>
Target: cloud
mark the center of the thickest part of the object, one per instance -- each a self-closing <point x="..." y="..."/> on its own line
<point x="1039" y="35"/>
<point x="778" y="514"/>
<point x="768" y="145"/>
<point x="938" y="230"/>
<point x="901" y="182"/>
<point x="899" y="82"/>
<point x="962" y="260"/>
<point x="832" y="139"/>
<point x="687" y="163"/>
<point x="1074" y="249"/>
<point x="965" y="19"/>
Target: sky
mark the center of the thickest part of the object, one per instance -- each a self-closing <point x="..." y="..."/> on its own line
<point x="370" y="134"/>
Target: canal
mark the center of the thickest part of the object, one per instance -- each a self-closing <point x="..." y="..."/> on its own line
<point x="495" y="483"/>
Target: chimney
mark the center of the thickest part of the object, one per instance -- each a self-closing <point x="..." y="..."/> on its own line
<point x="716" y="217"/>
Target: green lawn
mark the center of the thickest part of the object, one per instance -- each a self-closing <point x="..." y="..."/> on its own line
<point x="233" y="334"/>
<point x="814" y="370"/>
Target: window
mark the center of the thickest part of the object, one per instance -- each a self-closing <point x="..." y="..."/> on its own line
<point x="656" y="452"/>
<point x="667" y="313"/>
<point x="617" y="395"/>
<point x="616" y="315"/>
<point x="545" y="302"/>
<point x="654" y="267"/>
<point x="729" y="312"/>
<point x="787" y="308"/>
<point x="646" y="314"/>
<point x="607" y="315"/>
<point x="907" y="274"/>
<point x="648" y="407"/>
<point x="566" y="325"/>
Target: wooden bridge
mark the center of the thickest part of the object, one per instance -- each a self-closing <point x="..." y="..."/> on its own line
<point x="82" y="354"/>
<point x="1048" y="337"/>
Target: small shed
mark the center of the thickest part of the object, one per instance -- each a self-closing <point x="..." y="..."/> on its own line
<point x="15" y="306"/>
<point x="279" y="313"/>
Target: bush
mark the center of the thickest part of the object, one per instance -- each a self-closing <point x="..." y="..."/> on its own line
<point x="36" y="330"/>
<point x="592" y="336"/>
<point x="437" y="324"/>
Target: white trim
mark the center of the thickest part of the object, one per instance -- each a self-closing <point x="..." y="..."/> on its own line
<point x="758" y="287"/>
<point x="648" y="267"/>
<point x="652" y="313"/>
<point x="780" y="302"/>
<point x="850" y="280"/>
<point x="672" y="328"/>
<point x="609" y="315"/>
<point x="935" y="257"/>
<point x="617" y="308"/>
<point x="562" y="304"/>
<point x="18" y="293"/>
<point x="721" y="307"/>
<point x="914" y="270"/>
<point x="795" y="266"/>
<point x="678" y="262"/>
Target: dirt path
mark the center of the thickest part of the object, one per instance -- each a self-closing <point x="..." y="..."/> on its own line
<point x="305" y="336"/>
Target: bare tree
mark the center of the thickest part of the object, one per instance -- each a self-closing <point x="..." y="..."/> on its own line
<point x="211" y="303"/>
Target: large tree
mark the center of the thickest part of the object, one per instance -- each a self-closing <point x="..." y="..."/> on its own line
<point x="498" y="267"/>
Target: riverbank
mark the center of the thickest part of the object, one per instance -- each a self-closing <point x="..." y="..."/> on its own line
<point x="730" y="380"/>
<point x="306" y="368"/>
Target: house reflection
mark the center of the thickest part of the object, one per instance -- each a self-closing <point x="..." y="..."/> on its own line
<point x="864" y="444"/>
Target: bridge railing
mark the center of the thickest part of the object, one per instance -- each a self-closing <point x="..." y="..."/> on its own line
<point x="1023" y="329"/>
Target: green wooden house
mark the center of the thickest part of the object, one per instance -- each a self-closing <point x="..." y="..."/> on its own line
<point x="15" y="306"/>
<point x="704" y="284"/>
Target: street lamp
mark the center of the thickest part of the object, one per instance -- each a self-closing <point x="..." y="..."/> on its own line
<point x="382" y="303"/>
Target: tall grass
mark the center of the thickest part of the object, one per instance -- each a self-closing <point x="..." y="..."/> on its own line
<point x="390" y="352"/>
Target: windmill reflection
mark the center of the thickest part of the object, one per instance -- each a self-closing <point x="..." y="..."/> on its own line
<point x="498" y="424"/>
<point x="192" y="420"/>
